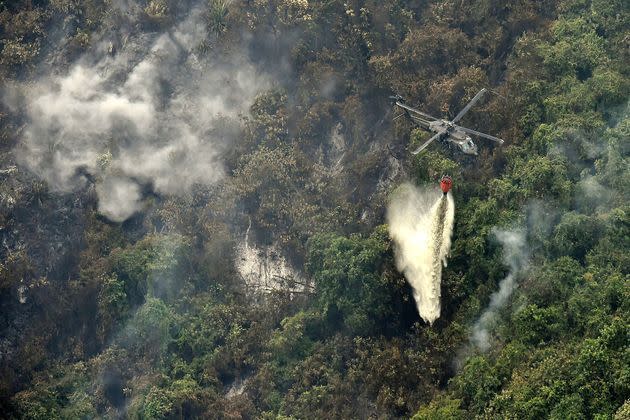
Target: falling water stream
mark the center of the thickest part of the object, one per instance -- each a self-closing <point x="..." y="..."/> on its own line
<point x="421" y="225"/>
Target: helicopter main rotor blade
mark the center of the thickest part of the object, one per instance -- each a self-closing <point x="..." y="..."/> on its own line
<point x="426" y="143"/>
<point x="415" y="111"/>
<point x="478" y="134"/>
<point x="472" y="102"/>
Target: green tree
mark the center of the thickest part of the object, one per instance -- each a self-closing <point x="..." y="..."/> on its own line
<point x="443" y="408"/>
<point x="352" y="290"/>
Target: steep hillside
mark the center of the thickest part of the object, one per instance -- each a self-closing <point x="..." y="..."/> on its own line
<point x="193" y="204"/>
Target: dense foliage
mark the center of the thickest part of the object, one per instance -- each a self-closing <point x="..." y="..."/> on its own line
<point x="149" y="318"/>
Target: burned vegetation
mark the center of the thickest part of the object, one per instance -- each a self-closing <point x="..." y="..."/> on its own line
<point x="193" y="201"/>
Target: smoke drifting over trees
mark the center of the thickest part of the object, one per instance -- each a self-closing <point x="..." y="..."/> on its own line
<point x="515" y="256"/>
<point x="154" y="112"/>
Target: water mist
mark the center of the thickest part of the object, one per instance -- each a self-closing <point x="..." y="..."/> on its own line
<point x="421" y="225"/>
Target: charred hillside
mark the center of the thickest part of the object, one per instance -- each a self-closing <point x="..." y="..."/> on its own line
<point x="194" y="223"/>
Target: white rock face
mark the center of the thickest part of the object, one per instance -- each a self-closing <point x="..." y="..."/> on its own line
<point x="264" y="269"/>
<point x="338" y="148"/>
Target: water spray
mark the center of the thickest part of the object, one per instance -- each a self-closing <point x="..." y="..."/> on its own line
<point x="421" y="224"/>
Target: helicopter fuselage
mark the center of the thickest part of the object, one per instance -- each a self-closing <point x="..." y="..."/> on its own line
<point x="453" y="135"/>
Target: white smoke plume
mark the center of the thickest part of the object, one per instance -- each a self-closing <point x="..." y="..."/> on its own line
<point x="421" y="225"/>
<point x="153" y="112"/>
<point x="118" y="198"/>
<point x="515" y="256"/>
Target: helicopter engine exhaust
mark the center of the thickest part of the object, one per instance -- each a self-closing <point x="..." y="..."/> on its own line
<point x="421" y="224"/>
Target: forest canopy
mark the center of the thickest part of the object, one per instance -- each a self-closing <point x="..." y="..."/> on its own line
<point x="193" y="195"/>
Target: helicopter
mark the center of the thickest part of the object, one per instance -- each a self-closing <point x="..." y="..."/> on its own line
<point x="446" y="131"/>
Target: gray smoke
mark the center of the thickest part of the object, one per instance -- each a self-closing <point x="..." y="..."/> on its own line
<point x="421" y="225"/>
<point x="153" y="113"/>
<point x="515" y="256"/>
<point x="118" y="198"/>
